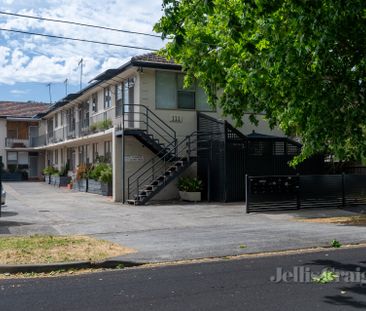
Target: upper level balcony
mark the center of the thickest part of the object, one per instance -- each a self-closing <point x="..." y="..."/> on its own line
<point x="123" y="118"/>
<point x="72" y="130"/>
<point x="17" y="143"/>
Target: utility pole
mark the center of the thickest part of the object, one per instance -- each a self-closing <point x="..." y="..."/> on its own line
<point x="49" y="91"/>
<point x="65" y="82"/>
<point x="80" y="64"/>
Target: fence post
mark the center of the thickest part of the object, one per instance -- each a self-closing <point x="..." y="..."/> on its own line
<point x="298" y="190"/>
<point x="246" y="193"/>
<point x="343" y="192"/>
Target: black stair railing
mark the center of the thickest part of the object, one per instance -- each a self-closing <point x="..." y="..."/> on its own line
<point x="184" y="152"/>
<point x="140" y="117"/>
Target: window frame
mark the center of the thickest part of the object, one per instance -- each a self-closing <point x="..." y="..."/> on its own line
<point x="107" y="97"/>
<point x="94" y="102"/>
<point x="182" y="90"/>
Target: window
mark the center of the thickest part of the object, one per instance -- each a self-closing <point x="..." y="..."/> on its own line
<point x="56" y="120"/>
<point x="70" y="119"/>
<point x="49" y="155"/>
<point x="12" y="133"/>
<point x="185" y="96"/>
<point x="171" y="94"/>
<point x="62" y="157"/>
<point x="12" y="157"/>
<point x="166" y="90"/>
<point x="119" y="99"/>
<point x="56" y="156"/>
<point x="81" y="150"/>
<point x="95" y="152"/>
<point x="94" y="100"/>
<point x="84" y="115"/>
<point x="107" y="97"/>
<point x="50" y="127"/>
<point x="70" y="153"/>
<point x="108" y="151"/>
<point x="61" y="118"/>
<point x="18" y="160"/>
<point x="87" y="160"/>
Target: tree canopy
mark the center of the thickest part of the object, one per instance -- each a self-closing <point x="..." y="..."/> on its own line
<point x="301" y="62"/>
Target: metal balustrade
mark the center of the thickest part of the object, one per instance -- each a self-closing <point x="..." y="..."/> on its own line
<point x="17" y="143"/>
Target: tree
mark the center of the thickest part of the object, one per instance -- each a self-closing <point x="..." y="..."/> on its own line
<point x="302" y="62"/>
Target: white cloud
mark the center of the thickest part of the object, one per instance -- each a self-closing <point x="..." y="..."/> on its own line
<point x="19" y="92"/>
<point x="26" y="58"/>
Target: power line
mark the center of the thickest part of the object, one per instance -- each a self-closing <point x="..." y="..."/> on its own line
<point x="79" y="24"/>
<point x="80" y="40"/>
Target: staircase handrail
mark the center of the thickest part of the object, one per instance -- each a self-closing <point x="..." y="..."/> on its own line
<point x="148" y="113"/>
<point x="158" y="162"/>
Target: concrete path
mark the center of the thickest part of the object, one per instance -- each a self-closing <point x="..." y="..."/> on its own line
<point x="166" y="232"/>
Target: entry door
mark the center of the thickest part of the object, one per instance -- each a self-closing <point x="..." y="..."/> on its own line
<point x="129" y="100"/>
<point x="33" y="166"/>
<point x="33" y="134"/>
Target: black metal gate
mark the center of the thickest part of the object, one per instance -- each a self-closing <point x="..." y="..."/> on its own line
<point x="221" y="160"/>
<point x="225" y="156"/>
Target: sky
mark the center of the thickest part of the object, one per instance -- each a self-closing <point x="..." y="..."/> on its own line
<point x="32" y="66"/>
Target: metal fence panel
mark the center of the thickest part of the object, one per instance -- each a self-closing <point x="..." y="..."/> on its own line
<point x="271" y="193"/>
<point x="321" y="191"/>
<point x="355" y="189"/>
<point x="268" y="193"/>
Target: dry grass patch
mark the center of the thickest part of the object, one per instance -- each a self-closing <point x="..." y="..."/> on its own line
<point x="344" y="220"/>
<point x="50" y="249"/>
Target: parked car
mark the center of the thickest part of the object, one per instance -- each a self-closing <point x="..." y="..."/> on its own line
<point x="3" y="196"/>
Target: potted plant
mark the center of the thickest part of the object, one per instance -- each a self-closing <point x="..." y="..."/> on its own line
<point x="100" y="179"/>
<point x="69" y="185"/>
<point x="48" y="172"/>
<point x="61" y="178"/>
<point x="190" y="189"/>
<point x="106" y="180"/>
<point x="81" y="183"/>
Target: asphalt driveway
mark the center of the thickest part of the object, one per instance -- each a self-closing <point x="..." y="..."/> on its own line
<point x="165" y="232"/>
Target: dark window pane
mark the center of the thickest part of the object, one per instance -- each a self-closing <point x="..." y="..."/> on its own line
<point x="186" y="100"/>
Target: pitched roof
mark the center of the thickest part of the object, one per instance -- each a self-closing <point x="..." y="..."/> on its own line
<point x="153" y="58"/>
<point x="22" y="109"/>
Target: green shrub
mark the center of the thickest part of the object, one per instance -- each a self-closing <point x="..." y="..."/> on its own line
<point x="97" y="169"/>
<point x="104" y="125"/>
<point x="189" y="184"/>
<point x="50" y="170"/>
<point x="106" y="175"/>
<point x="93" y="127"/>
<point x="82" y="171"/>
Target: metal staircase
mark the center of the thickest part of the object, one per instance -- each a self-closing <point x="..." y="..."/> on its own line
<point x="148" y="128"/>
<point x="155" y="174"/>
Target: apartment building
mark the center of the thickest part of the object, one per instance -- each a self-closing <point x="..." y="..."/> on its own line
<point x="138" y="117"/>
<point x="20" y="125"/>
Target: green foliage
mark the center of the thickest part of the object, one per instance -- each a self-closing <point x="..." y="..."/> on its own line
<point x="101" y="172"/>
<point x="93" y="127"/>
<point x="82" y="171"/>
<point x="189" y="184"/>
<point x="325" y="277"/>
<point x="50" y="170"/>
<point x="335" y="244"/>
<point x="303" y="63"/>
<point x="105" y="124"/>
<point x="106" y="175"/>
<point x="64" y="171"/>
<point x="101" y="125"/>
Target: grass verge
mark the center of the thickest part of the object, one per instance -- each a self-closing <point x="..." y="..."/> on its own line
<point x="344" y="220"/>
<point x="43" y="249"/>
